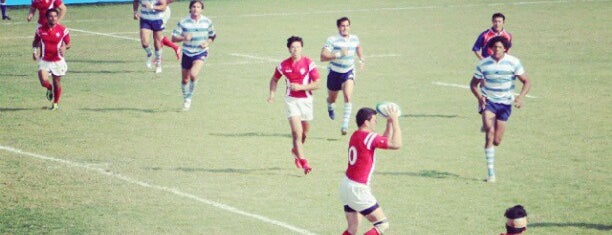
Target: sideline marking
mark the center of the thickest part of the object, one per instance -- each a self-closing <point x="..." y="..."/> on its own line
<point x="161" y="188"/>
<point x="105" y="34"/>
<point x="468" y="87"/>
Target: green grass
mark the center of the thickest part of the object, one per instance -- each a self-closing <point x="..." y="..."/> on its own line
<point x="120" y="121"/>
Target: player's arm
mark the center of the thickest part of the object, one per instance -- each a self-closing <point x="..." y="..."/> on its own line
<point x="474" y="85"/>
<point x="63" y="9"/>
<point x="395" y="142"/>
<point x="161" y="6"/>
<point x="273" y="85"/>
<point x="326" y="55"/>
<point x="478" y="55"/>
<point x="518" y="101"/>
<point x="135" y="6"/>
<point x="31" y="13"/>
<point x="478" y="46"/>
<point x="35" y="45"/>
<point x="308" y="87"/>
<point x="360" y="55"/>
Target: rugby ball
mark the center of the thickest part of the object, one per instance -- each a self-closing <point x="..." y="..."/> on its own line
<point x="382" y="108"/>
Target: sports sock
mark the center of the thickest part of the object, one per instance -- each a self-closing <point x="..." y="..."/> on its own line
<point x="330" y="107"/>
<point x="3" y="6"/>
<point x="348" y="108"/>
<point x="57" y="92"/>
<point x="167" y="42"/>
<point x="185" y="89"/>
<point x="372" y="231"/>
<point x="148" y="51"/>
<point x="346" y="233"/>
<point x="192" y="85"/>
<point x="490" y="157"/>
<point x="47" y="84"/>
<point x="158" y="55"/>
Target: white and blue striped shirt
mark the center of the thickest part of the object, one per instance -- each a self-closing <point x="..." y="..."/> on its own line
<point x="335" y="44"/>
<point x="150" y="14"/>
<point x="499" y="77"/>
<point x="200" y="30"/>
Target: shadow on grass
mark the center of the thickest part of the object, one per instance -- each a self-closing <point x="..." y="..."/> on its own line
<point x="18" y="75"/>
<point x="106" y="71"/>
<point x="434" y="174"/>
<point x="20" y="109"/>
<point x="96" y="62"/>
<point x="601" y="227"/>
<point x="429" y="116"/>
<point x="260" y="134"/>
<point x="125" y="110"/>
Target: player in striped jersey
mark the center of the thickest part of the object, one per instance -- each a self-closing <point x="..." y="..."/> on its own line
<point x="355" y="192"/>
<point x="340" y="51"/>
<point x="197" y="33"/>
<point x="495" y="75"/>
<point x="151" y="16"/>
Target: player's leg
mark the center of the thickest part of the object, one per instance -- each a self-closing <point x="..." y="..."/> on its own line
<point x="145" y="34"/>
<point x="57" y="91"/>
<point x="379" y="222"/>
<point x="3" y="6"/>
<point x="157" y="40"/>
<point x="196" y="68"/>
<point x="500" y="129"/>
<point x="331" y="99"/>
<point x="347" y="90"/>
<point x="185" y="75"/>
<point x="305" y="129"/>
<point x="43" y="77"/>
<point x="297" y="132"/>
<point x="488" y="121"/>
<point x="353" y="218"/>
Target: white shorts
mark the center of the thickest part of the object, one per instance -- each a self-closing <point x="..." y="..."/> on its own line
<point x="300" y="107"/>
<point x="357" y="196"/>
<point x="57" y="68"/>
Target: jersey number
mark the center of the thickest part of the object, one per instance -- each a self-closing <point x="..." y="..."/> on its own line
<point x="352" y="155"/>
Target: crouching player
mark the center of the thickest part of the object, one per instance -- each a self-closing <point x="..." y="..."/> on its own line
<point x="355" y="191"/>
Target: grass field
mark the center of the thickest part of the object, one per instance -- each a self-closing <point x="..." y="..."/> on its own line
<point x="119" y="157"/>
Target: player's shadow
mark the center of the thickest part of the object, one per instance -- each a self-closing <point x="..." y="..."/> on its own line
<point x="124" y="110"/>
<point x="261" y="134"/>
<point x="429" y="116"/>
<point x="433" y="174"/>
<point x="601" y="227"/>
<point x="18" y="109"/>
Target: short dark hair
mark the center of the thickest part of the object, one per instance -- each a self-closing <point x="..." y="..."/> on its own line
<point x="363" y="115"/>
<point x="498" y="15"/>
<point x="51" y="10"/>
<point x="339" y="21"/>
<point x="497" y="39"/>
<point x="515" y="212"/>
<point x="293" y="39"/>
<point x="196" y="1"/>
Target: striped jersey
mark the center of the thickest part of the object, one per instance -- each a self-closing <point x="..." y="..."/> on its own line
<point x="150" y="14"/>
<point x="335" y="44"/>
<point x="499" y="77"/>
<point x="361" y="157"/>
<point x="200" y="30"/>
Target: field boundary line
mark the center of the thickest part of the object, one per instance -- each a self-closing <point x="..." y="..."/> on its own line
<point x="468" y="87"/>
<point x="105" y="34"/>
<point x="161" y="188"/>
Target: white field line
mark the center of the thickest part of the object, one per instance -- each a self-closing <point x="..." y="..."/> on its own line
<point x="254" y="57"/>
<point x="468" y="87"/>
<point x="105" y="34"/>
<point x="176" y="192"/>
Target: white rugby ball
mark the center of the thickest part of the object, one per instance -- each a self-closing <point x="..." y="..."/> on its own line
<point x="382" y="108"/>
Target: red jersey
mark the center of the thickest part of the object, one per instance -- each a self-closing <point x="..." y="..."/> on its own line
<point x="52" y="40"/>
<point x="303" y="71"/>
<point x="43" y="6"/>
<point x="484" y="37"/>
<point x="361" y="155"/>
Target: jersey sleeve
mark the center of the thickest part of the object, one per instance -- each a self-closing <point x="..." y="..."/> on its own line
<point x="478" y="72"/>
<point x="479" y="42"/>
<point x="518" y="69"/>
<point x="178" y="30"/>
<point x="57" y="3"/>
<point x="313" y="71"/>
<point x="277" y="72"/>
<point x="381" y="142"/>
<point x="211" y="31"/>
<point x="329" y="44"/>
<point x="66" y="36"/>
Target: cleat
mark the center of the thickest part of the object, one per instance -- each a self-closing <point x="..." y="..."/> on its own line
<point x="49" y="95"/>
<point x="305" y="166"/>
<point x="343" y="130"/>
<point x="54" y="107"/>
<point x="149" y="62"/>
<point x="331" y="114"/>
<point x="490" y="179"/>
<point x="179" y="53"/>
<point x="187" y="105"/>
<point x="6" y="18"/>
<point x="298" y="163"/>
<point x="158" y="69"/>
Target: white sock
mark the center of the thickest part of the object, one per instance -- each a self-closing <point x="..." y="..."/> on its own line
<point x="490" y="157"/>
<point x="348" y="108"/>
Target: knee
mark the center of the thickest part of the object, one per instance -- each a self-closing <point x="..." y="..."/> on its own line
<point x="497" y="141"/>
<point x="382" y="225"/>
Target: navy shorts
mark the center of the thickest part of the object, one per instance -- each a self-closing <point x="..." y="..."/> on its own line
<point x="153" y="25"/>
<point x="502" y="111"/>
<point x="335" y="79"/>
<point x="187" y="61"/>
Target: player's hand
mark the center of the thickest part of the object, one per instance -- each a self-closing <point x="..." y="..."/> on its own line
<point x="136" y="15"/>
<point x="35" y="56"/>
<point x="392" y="113"/>
<point x="148" y="6"/>
<point x="30" y="17"/>
<point x="344" y="52"/>
<point x="518" y="101"/>
<point x="187" y="37"/>
<point x="482" y="102"/>
<point x="296" y="87"/>
<point x="204" y="45"/>
<point x="361" y="65"/>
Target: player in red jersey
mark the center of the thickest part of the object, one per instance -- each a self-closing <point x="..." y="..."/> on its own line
<point x="302" y="77"/>
<point x="517" y="220"/>
<point x="355" y="191"/>
<point x="43" y="6"/>
<point x="480" y="48"/>
<point x="54" y="40"/>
